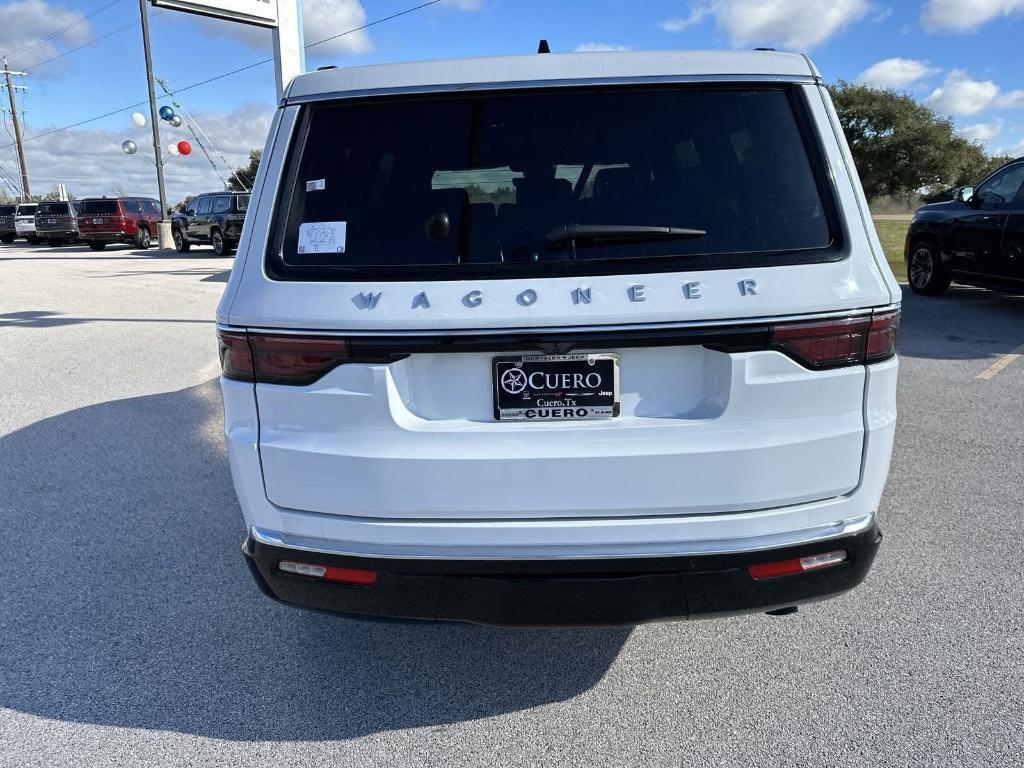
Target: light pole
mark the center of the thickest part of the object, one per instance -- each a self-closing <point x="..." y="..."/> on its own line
<point x="164" y="234"/>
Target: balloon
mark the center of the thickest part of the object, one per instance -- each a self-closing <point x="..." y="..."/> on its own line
<point x="129" y="147"/>
<point x="139" y="119"/>
<point x="175" y="121"/>
<point x="172" y="149"/>
<point x="166" y="113"/>
<point x="184" y="147"/>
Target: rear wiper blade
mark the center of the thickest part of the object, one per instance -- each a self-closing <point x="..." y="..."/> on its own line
<point x="579" y="234"/>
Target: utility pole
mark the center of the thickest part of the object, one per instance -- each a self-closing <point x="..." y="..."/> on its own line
<point x="11" y="87"/>
<point x="164" y="235"/>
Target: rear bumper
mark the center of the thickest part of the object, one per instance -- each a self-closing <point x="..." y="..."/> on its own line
<point x="562" y="592"/>
<point x="65" y="234"/>
<point x="107" y="237"/>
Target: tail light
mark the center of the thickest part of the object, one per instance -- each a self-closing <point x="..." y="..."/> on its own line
<point x="268" y="359"/>
<point x="821" y="344"/>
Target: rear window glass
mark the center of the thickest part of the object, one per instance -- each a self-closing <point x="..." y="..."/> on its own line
<point x="98" y="206"/>
<point x="458" y="186"/>
<point x="221" y="204"/>
<point x="242" y="202"/>
<point x="26" y="210"/>
<point x="60" y="209"/>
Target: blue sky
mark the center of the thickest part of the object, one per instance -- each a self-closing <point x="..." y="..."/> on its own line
<point x="958" y="55"/>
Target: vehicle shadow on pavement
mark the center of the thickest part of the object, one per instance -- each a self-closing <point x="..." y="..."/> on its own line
<point x="965" y="323"/>
<point x="126" y="602"/>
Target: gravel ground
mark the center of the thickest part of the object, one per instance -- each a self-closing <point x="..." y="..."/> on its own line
<point x="131" y="634"/>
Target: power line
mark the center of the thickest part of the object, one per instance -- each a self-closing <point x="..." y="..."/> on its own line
<point x="62" y="30"/>
<point x="91" y="42"/>
<point x="221" y="76"/>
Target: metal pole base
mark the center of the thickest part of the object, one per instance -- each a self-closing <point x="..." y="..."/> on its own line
<point x="163" y="238"/>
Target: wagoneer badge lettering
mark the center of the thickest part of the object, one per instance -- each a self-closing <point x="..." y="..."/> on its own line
<point x="581" y="295"/>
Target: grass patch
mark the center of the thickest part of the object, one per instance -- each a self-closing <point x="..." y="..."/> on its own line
<point x="891" y="233"/>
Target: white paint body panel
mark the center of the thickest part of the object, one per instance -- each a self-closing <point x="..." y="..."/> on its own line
<point x="712" y="452"/>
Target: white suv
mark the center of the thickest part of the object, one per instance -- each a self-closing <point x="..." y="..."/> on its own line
<point x="559" y="339"/>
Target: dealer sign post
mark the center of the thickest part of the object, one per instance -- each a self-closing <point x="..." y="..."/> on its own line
<point x="283" y="16"/>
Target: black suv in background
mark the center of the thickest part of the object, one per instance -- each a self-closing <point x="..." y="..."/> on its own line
<point x="7" y="230"/>
<point x="976" y="238"/>
<point x="213" y="218"/>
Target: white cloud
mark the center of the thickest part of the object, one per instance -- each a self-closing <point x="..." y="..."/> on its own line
<point x="1014" y="150"/>
<point x="591" y="47"/>
<point x="23" y="24"/>
<point x="965" y="15"/>
<point x="960" y="95"/>
<point x="463" y="5"/>
<point x="678" y="25"/>
<point x="895" y="73"/>
<point x="983" y="132"/>
<point x="790" y="24"/>
<point x="90" y="160"/>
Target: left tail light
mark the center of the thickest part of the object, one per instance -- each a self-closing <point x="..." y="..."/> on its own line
<point x="271" y="359"/>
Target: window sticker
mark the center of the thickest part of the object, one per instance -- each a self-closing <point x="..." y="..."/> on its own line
<point x="316" y="185"/>
<point x="322" y="237"/>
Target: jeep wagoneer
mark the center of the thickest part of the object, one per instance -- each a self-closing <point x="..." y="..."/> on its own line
<point x="559" y="339"/>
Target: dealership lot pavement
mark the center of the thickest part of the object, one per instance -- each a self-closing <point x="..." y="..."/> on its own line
<point x="131" y="634"/>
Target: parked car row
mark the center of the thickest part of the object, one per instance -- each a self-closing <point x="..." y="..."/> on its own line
<point x="213" y="218"/>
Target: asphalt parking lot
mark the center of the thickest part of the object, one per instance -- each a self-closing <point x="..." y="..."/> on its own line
<point x="131" y="633"/>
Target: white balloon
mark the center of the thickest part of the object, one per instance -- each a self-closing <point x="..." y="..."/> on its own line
<point x="139" y="119"/>
<point x="172" y="149"/>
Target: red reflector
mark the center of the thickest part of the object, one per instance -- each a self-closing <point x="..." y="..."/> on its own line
<point x="350" y="576"/>
<point x="235" y="357"/>
<point x="354" y="576"/>
<point x="796" y="565"/>
<point x="295" y="359"/>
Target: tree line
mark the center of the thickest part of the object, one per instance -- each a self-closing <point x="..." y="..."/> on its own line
<point x="903" y="149"/>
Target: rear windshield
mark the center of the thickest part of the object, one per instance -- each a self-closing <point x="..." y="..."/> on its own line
<point x="53" y="208"/>
<point x="6" y="210"/>
<point x="476" y="186"/>
<point x="98" y="206"/>
<point x="26" y="210"/>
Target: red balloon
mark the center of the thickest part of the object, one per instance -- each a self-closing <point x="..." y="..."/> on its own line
<point x="184" y="147"/>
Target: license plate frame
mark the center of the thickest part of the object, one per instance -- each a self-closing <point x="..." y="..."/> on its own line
<point x="556" y="387"/>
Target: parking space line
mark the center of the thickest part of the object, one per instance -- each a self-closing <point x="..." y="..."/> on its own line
<point x="1001" y="363"/>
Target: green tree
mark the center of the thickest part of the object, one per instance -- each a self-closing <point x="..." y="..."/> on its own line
<point x="242" y="178"/>
<point x="902" y="146"/>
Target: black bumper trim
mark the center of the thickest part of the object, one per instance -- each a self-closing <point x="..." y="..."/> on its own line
<point x="563" y="592"/>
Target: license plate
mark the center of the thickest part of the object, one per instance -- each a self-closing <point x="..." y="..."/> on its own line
<point x="51" y="221"/>
<point x="556" y="387"/>
<point x="97" y="221"/>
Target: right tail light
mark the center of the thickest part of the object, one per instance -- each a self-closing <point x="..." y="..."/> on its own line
<point x="832" y="343"/>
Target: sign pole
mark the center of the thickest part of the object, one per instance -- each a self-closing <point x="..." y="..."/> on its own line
<point x="289" y="46"/>
<point x="164" y="228"/>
